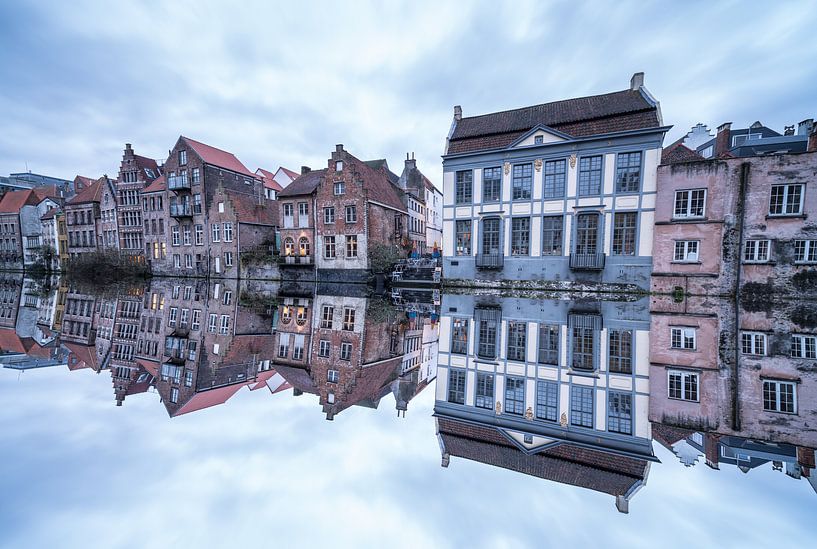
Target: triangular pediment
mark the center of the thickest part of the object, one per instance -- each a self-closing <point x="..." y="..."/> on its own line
<point x="528" y="442"/>
<point x="547" y="135"/>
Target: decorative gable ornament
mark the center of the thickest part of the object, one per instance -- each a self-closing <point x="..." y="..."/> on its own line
<point x="563" y="420"/>
<point x="507" y="168"/>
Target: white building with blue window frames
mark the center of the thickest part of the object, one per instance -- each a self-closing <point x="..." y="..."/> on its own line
<point x="562" y="191"/>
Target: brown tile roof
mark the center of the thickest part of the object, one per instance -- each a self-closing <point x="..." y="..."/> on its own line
<point x="47" y="191"/>
<point x="209" y="398"/>
<point x="83" y="353"/>
<point x="248" y="210"/>
<point x="148" y="166"/>
<point x="289" y="172"/>
<point x="82" y="181"/>
<point x="11" y="342"/>
<point x="304" y="184"/>
<point x="50" y="214"/>
<point x="14" y="200"/>
<point x="159" y="184"/>
<point x="269" y="182"/>
<point x="379" y="188"/>
<point x="218" y="157"/>
<point x="678" y="152"/>
<point x="91" y="193"/>
<point x="578" y="117"/>
<point x="567" y="464"/>
<point x="667" y="435"/>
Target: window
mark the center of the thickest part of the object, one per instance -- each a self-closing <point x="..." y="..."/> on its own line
<point x="191" y="348"/>
<point x="520" y="236"/>
<point x="621" y="351"/>
<point x="187" y="239"/>
<point x="620" y="413"/>
<point x="216" y="232"/>
<point x="517" y="340"/>
<point x="348" y="319"/>
<point x="329" y="247"/>
<point x="463" y="229"/>
<point x="289" y="210"/>
<point x="324" y="348"/>
<point x="779" y="396"/>
<point x="225" y="325"/>
<point x="228" y="259"/>
<point x="329" y="215"/>
<point x="584" y="342"/>
<point x="195" y="323"/>
<point x="752" y="343"/>
<point x="340" y="188"/>
<point x="756" y="251"/>
<point x="464" y="187"/>
<point x="628" y="172"/>
<point x="590" y="175"/>
<point x="228" y="232"/>
<point x="805" y="251"/>
<point x="581" y="406"/>
<point x="174" y="395"/>
<point x="683" y="385"/>
<point x="174" y="312"/>
<point x="587" y="233"/>
<point x="339" y="165"/>
<point x="624" y="231"/>
<point x="199" y="229"/>
<point x="803" y="346"/>
<point x="487" y="325"/>
<point x="555" y="177"/>
<point x="182" y="157"/>
<point x="491" y="184"/>
<point x="547" y="398"/>
<point x="552" y="234"/>
<point x="346" y="351"/>
<point x="174" y="232"/>
<point x="686" y="251"/>
<point x="197" y="203"/>
<point x="327" y="316"/>
<point x="538" y="139"/>
<point x="177" y="261"/>
<point x="456" y="386"/>
<point x="351" y="214"/>
<point x="351" y="246"/>
<point x="683" y="338"/>
<point x="459" y="336"/>
<point x="303" y="246"/>
<point x="490" y="236"/>
<point x="228" y="297"/>
<point x="689" y="203"/>
<point x="211" y="323"/>
<point x="549" y="344"/>
<point x="522" y="179"/>
<point x="514" y="395"/>
<point x="332" y="376"/>
<point x="303" y="209"/>
<point x="196" y="175"/>
<point x="485" y="391"/>
<point x="786" y="200"/>
<point x="188" y="378"/>
<point x="188" y="261"/>
<point x="283" y="345"/>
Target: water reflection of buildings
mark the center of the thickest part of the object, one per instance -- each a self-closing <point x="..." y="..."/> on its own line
<point x="557" y="389"/>
<point x="736" y="384"/>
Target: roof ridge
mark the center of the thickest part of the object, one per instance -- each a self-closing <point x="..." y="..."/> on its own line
<point x="546" y="103"/>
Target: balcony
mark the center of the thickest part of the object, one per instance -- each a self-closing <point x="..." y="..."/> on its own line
<point x="178" y="183"/>
<point x="490" y="261"/>
<point x="181" y="210"/>
<point x="587" y="262"/>
<point x="297" y="260"/>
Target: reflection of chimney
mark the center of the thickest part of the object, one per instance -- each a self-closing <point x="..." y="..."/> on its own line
<point x="723" y="139"/>
<point x="637" y="81"/>
<point x="711" y="449"/>
<point x="457" y="112"/>
<point x="805" y="457"/>
<point x="622" y="504"/>
<point x="805" y="127"/>
<point x="305" y="170"/>
<point x="788" y="130"/>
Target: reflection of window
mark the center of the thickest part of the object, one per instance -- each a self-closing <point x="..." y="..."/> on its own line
<point x="286" y="314"/>
<point x="581" y="406"/>
<point x="459" y="336"/>
<point x="756" y="251"/>
<point x="547" y="398"/>
<point x="779" y="396"/>
<point x="348" y="319"/>
<point x="803" y="346"/>
<point x="682" y="385"/>
<point x="517" y="340"/>
<point x="689" y="203"/>
<point x="485" y="391"/>
<point x="346" y="351"/>
<point x="621" y="351"/>
<point x="683" y="338"/>
<point x="514" y="395"/>
<point x="327" y="315"/>
<point x="549" y="344"/>
<point x="174" y="395"/>
<point x="752" y="343"/>
<point x="620" y="413"/>
<point x="351" y="245"/>
<point x="583" y="348"/>
<point x="332" y="376"/>
<point x="456" y="386"/>
<point x="300" y="316"/>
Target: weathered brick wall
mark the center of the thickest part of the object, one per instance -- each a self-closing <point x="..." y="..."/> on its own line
<point x="354" y="195"/>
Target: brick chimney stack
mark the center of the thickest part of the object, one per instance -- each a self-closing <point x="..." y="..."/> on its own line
<point x="637" y="81"/>
<point x="411" y="163"/>
<point x="457" y="113"/>
<point x="805" y="127"/>
<point x="711" y="449"/>
<point x="788" y="130"/>
<point x="723" y="141"/>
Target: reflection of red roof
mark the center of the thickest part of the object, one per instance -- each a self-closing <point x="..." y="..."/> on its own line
<point x="50" y="214"/>
<point x="211" y="397"/>
<point x="159" y="184"/>
<point x="84" y="353"/>
<point x="150" y="366"/>
<point x="11" y="342"/>
<point x="14" y="200"/>
<point x="269" y="182"/>
<point x="261" y="379"/>
<point x="217" y="157"/>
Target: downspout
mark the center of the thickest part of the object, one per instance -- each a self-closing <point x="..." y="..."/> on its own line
<point x="741" y="220"/>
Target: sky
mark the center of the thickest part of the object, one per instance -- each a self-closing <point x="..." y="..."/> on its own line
<point x="269" y="470"/>
<point x="282" y="83"/>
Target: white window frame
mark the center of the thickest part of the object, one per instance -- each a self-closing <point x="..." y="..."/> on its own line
<point x="225" y="325"/>
<point x="687" y="255"/>
<point x="777" y="384"/>
<point x="752" y="250"/>
<point x="786" y="189"/>
<point x="228" y="232"/>
<point x="215" y="230"/>
<point x="803" y="346"/>
<point x="809" y="252"/>
<point x="687" y="214"/>
<point x="754" y="344"/>
<point x="685" y="334"/>
<point x="324" y="348"/>
<point x="684" y="375"/>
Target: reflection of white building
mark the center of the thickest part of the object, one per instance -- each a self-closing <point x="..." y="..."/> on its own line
<point x="564" y="383"/>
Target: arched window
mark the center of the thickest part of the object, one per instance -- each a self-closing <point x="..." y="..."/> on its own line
<point x="303" y="246"/>
<point x="300" y="317"/>
<point x="286" y="314"/>
<point x="289" y="247"/>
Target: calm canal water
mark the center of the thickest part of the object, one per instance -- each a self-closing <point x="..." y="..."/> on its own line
<point x="196" y="414"/>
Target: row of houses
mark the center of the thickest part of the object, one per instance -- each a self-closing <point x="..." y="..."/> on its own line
<point x="197" y="342"/>
<point x="202" y="212"/>
<point x="582" y="190"/>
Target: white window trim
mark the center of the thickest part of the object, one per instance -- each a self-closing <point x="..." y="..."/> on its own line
<point x="753" y="336"/>
<point x="687" y="253"/>
<point x="688" y="215"/>
<point x="802" y="345"/>
<point x="684" y="375"/>
<point x="806" y="252"/>
<point x="684" y="336"/>
<point x="757" y="242"/>
<point x="778" y="383"/>
<point x="786" y="187"/>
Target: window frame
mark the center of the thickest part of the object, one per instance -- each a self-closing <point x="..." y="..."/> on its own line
<point x="585" y="176"/>
<point x="784" y="199"/>
<point x="755" y="256"/>
<point x="523" y="191"/>
<point x="684" y="246"/>
<point x="627" y="170"/>
<point x="688" y="198"/>
<point x="456" y="394"/>
<point x="777" y="384"/>
<point x="683" y="337"/>
<point x="684" y="391"/>
<point x="495" y="181"/>
<point x="464" y="187"/>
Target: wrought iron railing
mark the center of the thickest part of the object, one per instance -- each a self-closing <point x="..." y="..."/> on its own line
<point x="589" y="262"/>
<point x="490" y="261"/>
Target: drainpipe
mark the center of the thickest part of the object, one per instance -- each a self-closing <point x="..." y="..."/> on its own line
<point x="741" y="220"/>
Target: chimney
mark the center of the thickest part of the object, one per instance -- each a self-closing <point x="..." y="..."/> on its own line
<point x="127" y="146"/>
<point x="723" y="141"/>
<point x="411" y="164"/>
<point x="788" y="130"/>
<point x="339" y="147"/>
<point x="637" y="81"/>
<point x="305" y="170"/>
<point x="457" y="112"/>
<point x="711" y="449"/>
<point x="812" y="140"/>
<point x="804" y="127"/>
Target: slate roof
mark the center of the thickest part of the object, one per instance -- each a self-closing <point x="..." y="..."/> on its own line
<point x="382" y="164"/>
<point x="269" y="182"/>
<point x="567" y="464"/>
<point x="92" y="193"/>
<point x="159" y="184"/>
<point x="14" y="200"/>
<point x="304" y="184"/>
<point x="379" y="187"/>
<point x="578" y="117"/>
<point x="217" y="157"/>
<point x="248" y="210"/>
<point x="678" y="152"/>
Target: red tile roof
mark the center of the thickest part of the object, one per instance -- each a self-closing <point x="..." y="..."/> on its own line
<point x="47" y="191"/>
<point x="289" y="172"/>
<point x="14" y="200"/>
<point x="678" y="152"/>
<point x="159" y="184"/>
<point x="11" y="342"/>
<point x="304" y="184"/>
<point x="148" y="166"/>
<point x="84" y="353"/>
<point x="248" y="210"/>
<point x="50" y="214"/>
<point x="82" y="181"/>
<point x="150" y="366"/>
<point x="378" y="187"/>
<point x="91" y="193"/>
<point x="218" y="157"/>
<point x="269" y="182"/>
<point x="209" y="398"/>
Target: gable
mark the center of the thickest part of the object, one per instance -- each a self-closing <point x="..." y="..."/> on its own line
<point x="547" y="135"/>
<point x="535" y="443"/>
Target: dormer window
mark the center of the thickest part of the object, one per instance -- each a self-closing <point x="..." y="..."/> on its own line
<point x="182" y="157"/>
<point x="339" y="166"/>
<point x="539" y="139"/>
